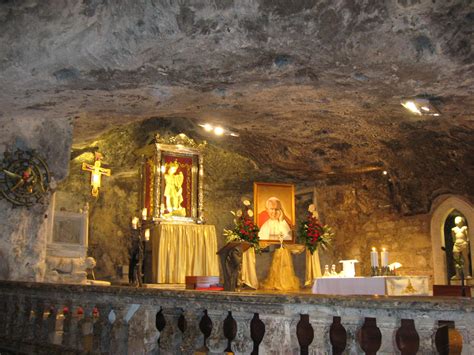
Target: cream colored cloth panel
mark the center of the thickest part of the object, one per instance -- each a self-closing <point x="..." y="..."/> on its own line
<point x="282" y="276"/>
<point x="249" y="273"/>
<point x="313" y="267"/>
<point x="180" y="250"/>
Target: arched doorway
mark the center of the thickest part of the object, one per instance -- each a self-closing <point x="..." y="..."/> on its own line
<point x="445" y="209"/>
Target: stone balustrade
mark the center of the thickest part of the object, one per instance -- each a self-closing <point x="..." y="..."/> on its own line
<point x="70" y="319"/>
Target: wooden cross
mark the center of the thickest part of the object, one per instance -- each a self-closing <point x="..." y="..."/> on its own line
<point x="96" y="173"/>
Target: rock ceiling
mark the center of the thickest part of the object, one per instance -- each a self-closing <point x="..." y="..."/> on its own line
<point x="311" y="86"/>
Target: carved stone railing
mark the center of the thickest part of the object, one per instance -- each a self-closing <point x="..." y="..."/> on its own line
<point x="67" y="319"/>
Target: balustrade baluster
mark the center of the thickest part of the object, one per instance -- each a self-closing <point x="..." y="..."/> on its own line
<point x="50" y="323"/>
<point x="69" y="326"/>
<point x="407" y="339"/>
<point x="448" y="340"/>
<point x="304" y="333"/>
<point x="370" y="337"/>
<point x="119" y="332"/>
<point x="86" y="329"/>
<point x="38" y="321"/>
<point x="170" y="336"/>
<point x="191" y="334"/>
<point x="102" y="329"/>
<point x="10" y="315"/>
<point x="17" y="318"/>
<point x="257" y="332"/>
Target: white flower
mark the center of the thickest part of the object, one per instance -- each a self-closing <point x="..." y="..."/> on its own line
<point x="311" y="208"/>
<point x="246" y="202"/>
<point x="239" y="213"/>
<point x="250" y="213"/>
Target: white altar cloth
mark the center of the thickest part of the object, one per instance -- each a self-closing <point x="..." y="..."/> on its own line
<point x="379" y="285"/>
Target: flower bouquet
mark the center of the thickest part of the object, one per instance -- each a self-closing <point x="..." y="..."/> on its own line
<point x="312" y="233"/>
<point x="244" y="227"/>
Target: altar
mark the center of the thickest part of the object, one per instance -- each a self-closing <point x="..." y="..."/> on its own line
<point x="180" y="250"/>
<point x="379" y="285"/>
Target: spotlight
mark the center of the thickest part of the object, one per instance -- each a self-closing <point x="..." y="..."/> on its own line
<point x="218" y="131"/>
<point x="420" y="107"/>
<point x="385" y="172"/>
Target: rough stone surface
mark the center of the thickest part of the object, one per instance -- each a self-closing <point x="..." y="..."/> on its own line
<point x="363" y="216"/>
<point x="23" y="230"/>
<point x="228" y="178"/>
<point x="311" y="86"/>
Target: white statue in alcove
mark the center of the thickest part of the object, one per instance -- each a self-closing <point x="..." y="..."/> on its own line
<point x="461" y="246"/>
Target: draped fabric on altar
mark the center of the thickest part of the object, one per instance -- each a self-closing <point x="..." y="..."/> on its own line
<point x="181" y="250"/>
<point x="313" y="267"/>
<point x="282" y="276"/>
<point x="249" y="273"/>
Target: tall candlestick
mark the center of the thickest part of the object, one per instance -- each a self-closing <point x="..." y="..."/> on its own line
<point x="374" y="258"/>
<point x="384" y="257"/>
<point x="144" y="213"/>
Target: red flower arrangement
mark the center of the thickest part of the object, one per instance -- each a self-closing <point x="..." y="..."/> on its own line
<point x="312" y="233"/>
<point x="244" y="227"/>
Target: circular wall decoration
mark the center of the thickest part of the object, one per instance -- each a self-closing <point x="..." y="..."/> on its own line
<point x="24" y="177"/>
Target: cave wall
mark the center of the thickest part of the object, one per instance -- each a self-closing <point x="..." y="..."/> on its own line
<point x="363" y="209"/>
<point x="23" y="230"/>
<point x="228" y="179"/>
<point x="362" y="212"/>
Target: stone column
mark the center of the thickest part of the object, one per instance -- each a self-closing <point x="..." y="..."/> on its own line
<point x="192" y="336"/>
<point x="217" y="342"/>
<point x="278" y="332"/>
<point x="243" y="342"/>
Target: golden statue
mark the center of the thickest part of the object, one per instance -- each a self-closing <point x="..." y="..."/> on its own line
<point x="174" y="190"/>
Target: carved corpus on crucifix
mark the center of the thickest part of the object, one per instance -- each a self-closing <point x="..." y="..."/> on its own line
<point x="96" y="173"/>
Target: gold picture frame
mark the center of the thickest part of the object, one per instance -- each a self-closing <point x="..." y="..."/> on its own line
<point x="275" y="211"/>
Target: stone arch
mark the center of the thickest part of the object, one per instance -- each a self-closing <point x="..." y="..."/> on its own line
<point x="440" y="210"/>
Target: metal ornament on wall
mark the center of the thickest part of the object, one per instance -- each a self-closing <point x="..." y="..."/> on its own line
<point x="24" y="177"/>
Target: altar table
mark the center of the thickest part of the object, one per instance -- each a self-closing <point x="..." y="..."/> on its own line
<point x="379" y="285"/>
<point x="180" y="250"/>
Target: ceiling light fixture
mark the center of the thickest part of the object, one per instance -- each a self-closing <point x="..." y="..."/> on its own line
<point x="218" y="130"/>
<point x="421" y="107"/>
<point x="207" y="127"/>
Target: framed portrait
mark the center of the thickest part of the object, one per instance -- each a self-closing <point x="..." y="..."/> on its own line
<point x="172" y="181"/>
<point x="275" y="211"/>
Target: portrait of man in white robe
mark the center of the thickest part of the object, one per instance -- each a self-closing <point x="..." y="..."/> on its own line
<point x="277" y="225"/>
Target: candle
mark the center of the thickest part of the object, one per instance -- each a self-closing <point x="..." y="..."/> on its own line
<point x="147" y="234"/>
<point x="135" y="222"/>
<point x="384" y="257"/>
<point x="374" y="258"/>
<point x="144" y="213"/>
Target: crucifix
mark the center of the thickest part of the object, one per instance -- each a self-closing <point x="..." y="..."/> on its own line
<point x="96" y="173"/>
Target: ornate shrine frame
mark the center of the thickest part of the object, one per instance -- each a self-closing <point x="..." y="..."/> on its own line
<point x="178" y="147"/>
